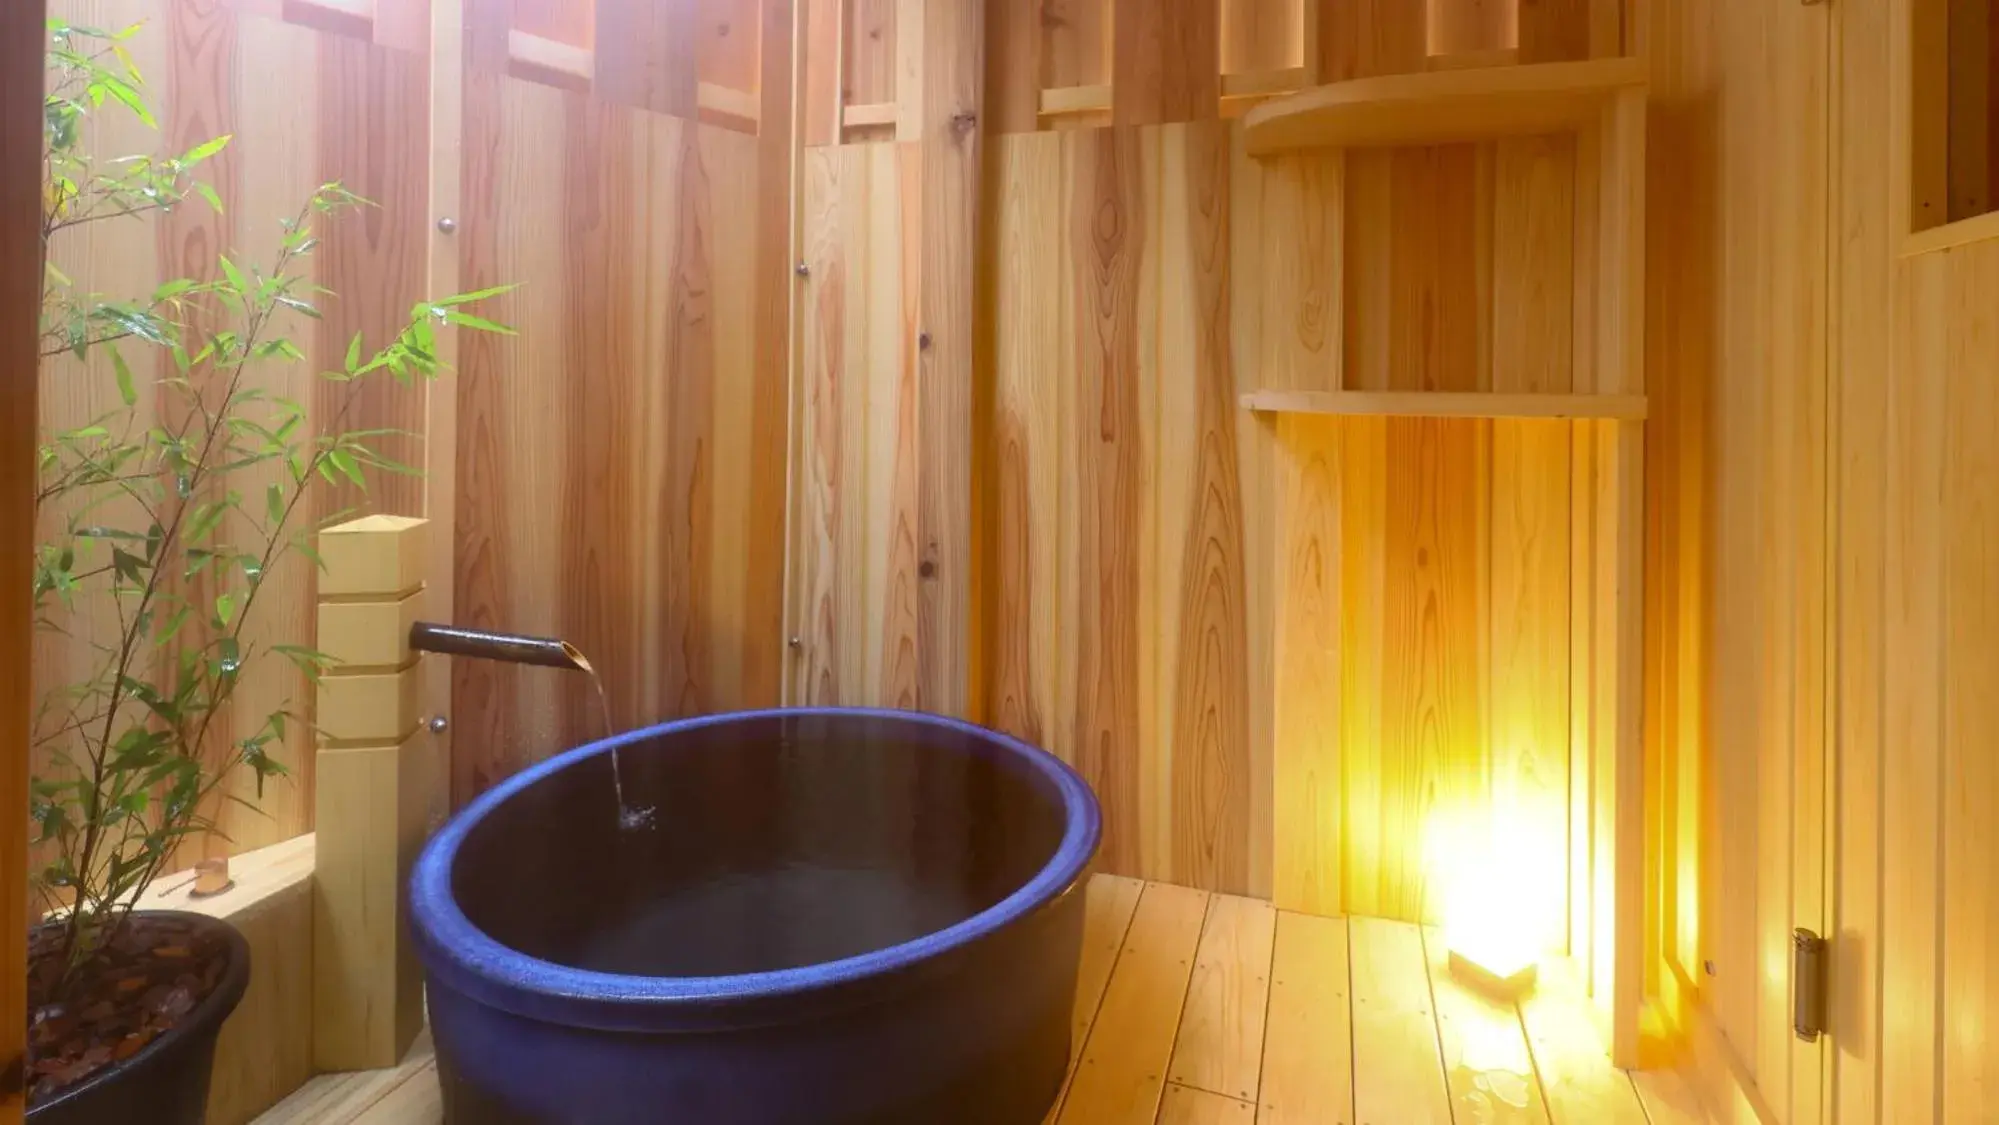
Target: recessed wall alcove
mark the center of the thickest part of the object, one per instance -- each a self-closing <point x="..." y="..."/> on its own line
<point x="1454" y="509"/>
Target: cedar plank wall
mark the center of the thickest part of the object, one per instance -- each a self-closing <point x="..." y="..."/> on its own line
<point x="1136" y="273"/>
<point x="1915" y="338"/>
<point x="621" y="461"/>
<point x="352" y="108"/>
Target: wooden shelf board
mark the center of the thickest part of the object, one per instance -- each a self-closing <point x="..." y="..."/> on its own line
<point x="1437" y="107"/>
<point x="1263" y="83"/>
<point x="1439" y="404"/>
<point x="1075" y="99"/>
<point x="866" y="114"/>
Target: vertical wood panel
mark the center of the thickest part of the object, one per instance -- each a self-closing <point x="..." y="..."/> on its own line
<point x="1165" y="61"/>
<point x="1076" y="50"/>
<point x="1310" y="799"/>
<point x="22" y="32"/>
<point x="645" y="55"/>
<point x="1970" y="952"/>
<point x="630" y="402"/>
<point x="293" y="156"/>
<point x="1105" y="246"/>
<point x="1262" y="35"/>
<point x="1364" y="38"/>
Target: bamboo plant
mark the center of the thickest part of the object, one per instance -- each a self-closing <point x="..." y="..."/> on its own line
<point x="159" y="521"/>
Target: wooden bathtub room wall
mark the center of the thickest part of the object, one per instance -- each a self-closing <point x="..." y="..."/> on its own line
<point x="620" y="463"/>
<point x="618" y="476"/>
<point x="1136" y="272"/>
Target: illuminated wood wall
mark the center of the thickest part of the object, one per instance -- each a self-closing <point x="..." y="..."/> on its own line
<point x="1140" y="605"/>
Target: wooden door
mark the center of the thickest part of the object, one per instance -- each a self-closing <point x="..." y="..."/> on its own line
<point x="1739" y="449"/>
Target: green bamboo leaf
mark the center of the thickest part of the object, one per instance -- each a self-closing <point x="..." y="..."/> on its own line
<point x="274" y="505"/>
<point x="126" y="391"/>
<point x="354" y="353"/>
<point x="344" y="461"/>
<point x="225" y="608"/>
<point x="206" y="149"/>
<point x="476" y="295"/>
<point x="236" y="279"/>
<point x="208" y="193"/>
<point x="467" y="320"/>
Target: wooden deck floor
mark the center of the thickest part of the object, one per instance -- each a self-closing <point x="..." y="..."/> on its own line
<point x="1199" y="1009"/>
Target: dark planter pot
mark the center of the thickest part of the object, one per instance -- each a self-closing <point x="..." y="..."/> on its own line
<point x="167" y="1083"/>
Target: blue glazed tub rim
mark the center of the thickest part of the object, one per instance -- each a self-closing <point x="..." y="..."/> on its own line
<point x="460" y="956"/>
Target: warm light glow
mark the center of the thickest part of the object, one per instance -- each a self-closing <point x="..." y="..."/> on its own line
<point x="1503" y="896"/>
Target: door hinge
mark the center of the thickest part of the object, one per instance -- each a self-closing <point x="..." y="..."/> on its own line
<point x="1808" y="977"/>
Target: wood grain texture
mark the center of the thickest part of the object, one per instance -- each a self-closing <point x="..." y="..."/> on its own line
<point x="1307" y="1043"/>
<point x="1370" y="37"/>
<point x="1217" y="1050"/>
<point x="1970" y="949"/>
<point x="646" y="55"/>
<point x="1398" y="1072"/>
<point x="1185" y="1106"/>
<point x="1165" y="62"/>
<point x="1262" y="35"/>
<point x="1117" y="556"/>
<point x="665" y="582"/>
<point x="1309" y="1024"/>
<point x="857" y="572"/>
<point x="22" y="30"/>
<point x="1121" y="1077"/>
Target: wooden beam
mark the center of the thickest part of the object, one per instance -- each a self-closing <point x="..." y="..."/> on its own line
<point x="440" y="423"/>
<point x="1075" y="99"/>
<point x="22" y="35"/>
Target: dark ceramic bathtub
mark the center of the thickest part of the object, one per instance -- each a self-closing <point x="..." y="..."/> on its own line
<point x="838" y="918"/>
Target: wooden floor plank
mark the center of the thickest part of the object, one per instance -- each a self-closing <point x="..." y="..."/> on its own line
<point x="1123" y="1069"/>
<point x="1569" y="1054"/>
<point x="1107" y="911"/>
<point x="1308" y="1045"/>
<point x="418" y="1101"/>
<point x="1667" y="1098"/>
<point x="1398" y="1072"/>
<point x="1220" y="1048"/>
<point x="353" y="1098"/>
<point x="1359" y="1023"/>
<point x="1184" y="1105"/>
<point x="1487" y="1066"/>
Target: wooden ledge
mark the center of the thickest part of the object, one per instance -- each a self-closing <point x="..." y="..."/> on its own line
<point x="1442" y="404"/>
<point x="1439" y="107"/>
<point x="265" y="1050"/>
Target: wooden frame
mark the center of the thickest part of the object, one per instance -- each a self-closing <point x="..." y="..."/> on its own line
<point x="1920" y="50"/>
<point x="1604" y="102"/>
<point x="22" y="38"/>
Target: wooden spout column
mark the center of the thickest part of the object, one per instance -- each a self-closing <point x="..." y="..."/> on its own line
<point x="373" y="796"/>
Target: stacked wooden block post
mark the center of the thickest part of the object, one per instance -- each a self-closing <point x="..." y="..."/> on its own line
<point x="372" y="793"/>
